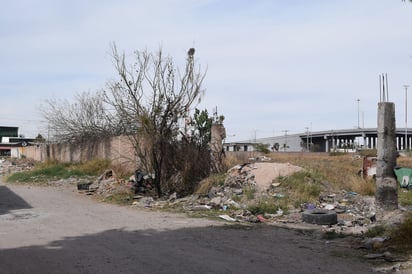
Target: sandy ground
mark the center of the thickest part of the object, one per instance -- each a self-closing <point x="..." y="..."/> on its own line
<point x="57" y="230"/>
<point x="265" y="173"/>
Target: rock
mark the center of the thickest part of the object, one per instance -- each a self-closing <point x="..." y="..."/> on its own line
<point x="232" y="204"/>
<point x="216" y="200"/>
<point x="237" y="191"/>
<point x="197" y="207"/>
<point x="146" y="201"/>
<point x="329" y="207"/>
<point x="213" y="192"/>
<point x="373" y="243"/>
<point x="172" y="197"/>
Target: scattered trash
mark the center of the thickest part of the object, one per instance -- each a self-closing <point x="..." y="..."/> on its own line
<point x="227" y="218"/>
<point x="368" y="168"/>
<point x="404" y="176"/>
<point x="261" y="219"/>
<point x="279" y="212"/>
<point x="309" y="206"/>
<point x="320" y="217"/>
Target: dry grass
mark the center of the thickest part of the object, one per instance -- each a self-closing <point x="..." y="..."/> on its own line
<point x="337" y="172"/>
<point x="328" y="173"/>
<point x="206" y="184"/>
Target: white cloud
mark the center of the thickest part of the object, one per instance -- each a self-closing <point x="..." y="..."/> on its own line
<point x="272" y="65"/>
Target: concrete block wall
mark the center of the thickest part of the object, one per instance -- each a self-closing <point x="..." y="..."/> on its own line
<point x="117" y="149"/>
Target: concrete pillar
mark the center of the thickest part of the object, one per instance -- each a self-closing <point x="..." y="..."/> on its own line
<point x="218" y="134"/>
<point x="386" y="185"/>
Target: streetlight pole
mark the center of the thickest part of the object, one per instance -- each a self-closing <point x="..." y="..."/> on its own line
<point x="285" y="145"/>
<point x="405" y="146"/>
<point x="358" y="112"/>
<point x="307" y="139"/>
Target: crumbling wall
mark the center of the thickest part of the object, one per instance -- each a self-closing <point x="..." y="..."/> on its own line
<point x="117" y="149"/>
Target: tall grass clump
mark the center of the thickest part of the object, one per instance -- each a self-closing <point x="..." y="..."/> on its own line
<point x="401" y="236"/>
<point x="206" y="184"/>
<point x="302" y="187"/>
<point x="92" y="167"/>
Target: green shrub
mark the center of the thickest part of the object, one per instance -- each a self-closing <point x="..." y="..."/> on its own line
<point x="53" y="170"/>
<point x="269" y="206"/>
<point x="375" y="231"/>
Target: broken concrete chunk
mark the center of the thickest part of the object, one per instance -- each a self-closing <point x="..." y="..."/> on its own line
<point x="227" y="218"/>
<point x="198" y="207"/>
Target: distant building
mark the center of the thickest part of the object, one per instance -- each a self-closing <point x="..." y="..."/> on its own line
<point x="10" y="143"/>
<point x="5" y="149"/>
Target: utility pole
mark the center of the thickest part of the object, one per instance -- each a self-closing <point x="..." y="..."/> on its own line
<point x="406" y="117"/>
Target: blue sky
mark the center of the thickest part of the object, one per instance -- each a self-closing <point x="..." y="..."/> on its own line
<point x="271" y="65"/>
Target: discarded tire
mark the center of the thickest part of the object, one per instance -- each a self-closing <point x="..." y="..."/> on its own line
<point x="320" y="217"/>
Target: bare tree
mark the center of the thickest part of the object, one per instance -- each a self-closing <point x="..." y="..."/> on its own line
<point x="83" y="120"/>
<point x="151" y="98"/>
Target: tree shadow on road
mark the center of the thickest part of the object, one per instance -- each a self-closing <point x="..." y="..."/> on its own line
<point x="11" y="201"/>
<point x="215" y="249"/>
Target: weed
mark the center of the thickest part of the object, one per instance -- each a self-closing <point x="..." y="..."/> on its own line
<point x="362" y="186"/>
<point x="401" y="236"/>
<point x="337" y="153"/>
<point x="302" y="187"/>
<point x="249" y="192"/>
<point x="375" y="231"/>
<point x="206" y="184"/>
<point x="43" y="174"/>
<point x="121" y="198"/>
<point x="405" y="197"/>
<point x="93" y="167"/>
<point x="268" y="205"/>
<point x="53" y="170"/>
<point x="332" y="235"/>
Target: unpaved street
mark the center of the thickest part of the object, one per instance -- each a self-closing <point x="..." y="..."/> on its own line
<point x="57" y="230"/>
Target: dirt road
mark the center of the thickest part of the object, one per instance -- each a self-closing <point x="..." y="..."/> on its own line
<point x="57" y="230"/>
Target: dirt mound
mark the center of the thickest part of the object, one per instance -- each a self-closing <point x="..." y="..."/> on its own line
<point x="266" y="173"/>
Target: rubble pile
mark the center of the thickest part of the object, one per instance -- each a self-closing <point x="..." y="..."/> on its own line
<point x="8" y="166"/>
<point x="106" y="184"/>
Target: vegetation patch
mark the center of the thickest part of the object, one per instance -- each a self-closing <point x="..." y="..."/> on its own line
<point x="302" y="187"/>
<point x="405" y="197"/>
<point x="268" y="206"/>
<point x="53" y="170"/>
<point x="376" y="231"/>
<point x="401" y="236"/>
<point x="121" y="198"/>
